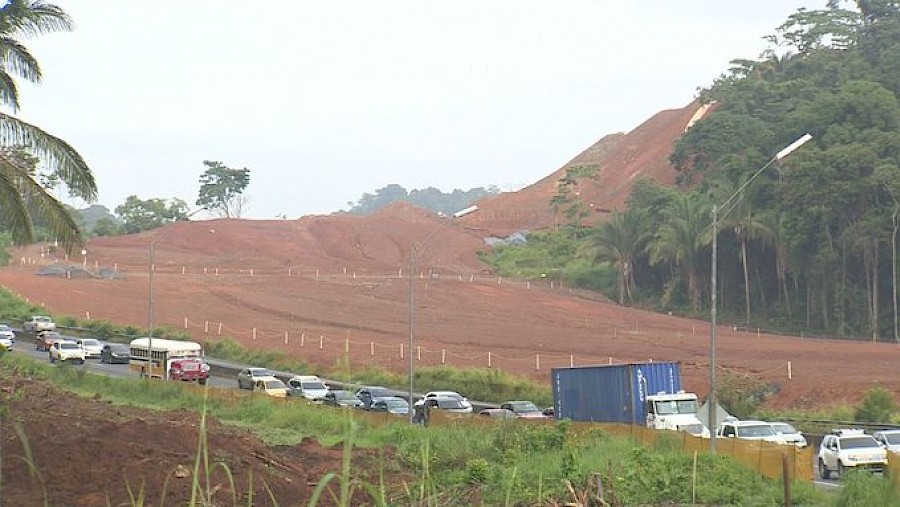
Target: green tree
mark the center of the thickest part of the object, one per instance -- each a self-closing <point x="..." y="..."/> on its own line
<point x="107" y="227"/>
<point x="568" y="196"/>
<point x="619" y="241"/>
<point x="21" y="194"/>
<point x="138" y="215"/>
<point x="222" y="189"/>
<point x="679" y="242"/>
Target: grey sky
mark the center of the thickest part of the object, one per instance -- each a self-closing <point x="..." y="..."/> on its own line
<point x="324" y="101"/>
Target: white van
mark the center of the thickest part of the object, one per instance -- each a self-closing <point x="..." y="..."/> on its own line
<point x="310" y="387"/>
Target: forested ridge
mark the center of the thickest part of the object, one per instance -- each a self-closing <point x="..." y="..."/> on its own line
<point x="811" y="244"/>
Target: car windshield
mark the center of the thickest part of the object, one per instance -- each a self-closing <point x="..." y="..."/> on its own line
<point x="757" y="430"/>
<point x="90" y="342"/>
<point x="523" y="407"/>
<point x="892" y="438"/>
<point x="68" y="345"/>
<point x="50" y="334"/>
<point x="392" y="404"/>
<point x="42" y="319"/>
<point x="666" y="407"/>
<point x="4" y="327"/>
<point x="313" y="386"/>
<point x="379" y="392"/>
<point x="784" y="428"/>
<point x="860" y="442"/>
<point x="261" y="372"/>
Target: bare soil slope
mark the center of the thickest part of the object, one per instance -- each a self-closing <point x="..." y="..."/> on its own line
<point x="88" y="453"/>
<point x="322" y="287"/>
<point x="619" y="161"/>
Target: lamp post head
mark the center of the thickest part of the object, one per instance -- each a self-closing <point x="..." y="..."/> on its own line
<point x="793" y="146"/>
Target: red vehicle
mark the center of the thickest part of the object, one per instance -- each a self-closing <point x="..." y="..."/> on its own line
<point x="189" y="369"/>
<point x="44" y="340"/>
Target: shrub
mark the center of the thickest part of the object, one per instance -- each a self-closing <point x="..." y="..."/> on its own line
<point x="877" y="406"/>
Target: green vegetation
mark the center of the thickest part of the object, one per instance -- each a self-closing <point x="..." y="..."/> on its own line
<point x="428" y="198"/>
<point x="812" y="243"/>
<point x="506" y="463"/>
<point x="139" y="215"/>
<point x="222" y="189"/>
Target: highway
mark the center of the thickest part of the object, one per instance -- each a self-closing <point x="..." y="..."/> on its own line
<point x="222" y="375"/>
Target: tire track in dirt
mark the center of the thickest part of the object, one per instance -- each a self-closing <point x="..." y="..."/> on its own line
<point x="290" y="316"/>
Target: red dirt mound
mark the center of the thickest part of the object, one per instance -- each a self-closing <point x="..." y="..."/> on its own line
<point x="619" y="160"/>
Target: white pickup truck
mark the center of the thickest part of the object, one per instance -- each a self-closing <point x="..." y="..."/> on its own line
<point x="38" y="323"/>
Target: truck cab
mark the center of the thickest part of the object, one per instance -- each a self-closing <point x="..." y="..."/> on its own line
<point x="676" y="411"/>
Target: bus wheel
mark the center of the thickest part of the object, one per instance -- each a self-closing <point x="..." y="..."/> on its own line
<point x="202" y="381"/>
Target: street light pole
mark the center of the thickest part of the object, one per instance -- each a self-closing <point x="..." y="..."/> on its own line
<point x="413" y="253"/>
<point x="712" y="404"/>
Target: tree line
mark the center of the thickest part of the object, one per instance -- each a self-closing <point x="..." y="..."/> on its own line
<point x="811" y="244"/>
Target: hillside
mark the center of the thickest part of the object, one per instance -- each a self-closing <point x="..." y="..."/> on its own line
<point x="322" y="287"/>
<point x="619" y="160"/>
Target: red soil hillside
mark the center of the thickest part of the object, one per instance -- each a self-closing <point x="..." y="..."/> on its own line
<point x="620" y="159"/>
<point x="322" y="287"/>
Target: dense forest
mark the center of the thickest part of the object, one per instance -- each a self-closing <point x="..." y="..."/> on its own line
<point x="810" y="242"/>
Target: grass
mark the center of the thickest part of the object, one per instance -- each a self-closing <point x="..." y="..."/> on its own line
<point x="498" y="463"/>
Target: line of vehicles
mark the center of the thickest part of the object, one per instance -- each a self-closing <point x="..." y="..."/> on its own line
<point x="636" y="393"/>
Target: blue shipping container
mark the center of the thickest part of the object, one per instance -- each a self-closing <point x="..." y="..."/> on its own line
<point x="613" y="393"/>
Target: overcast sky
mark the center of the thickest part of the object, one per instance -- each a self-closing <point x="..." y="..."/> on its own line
<point x="324" y="101"/>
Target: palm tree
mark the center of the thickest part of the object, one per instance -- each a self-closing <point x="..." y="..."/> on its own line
<point x="619" y="241"/>
<point x="21" y="194"/>
<point x="747" y="226"/>
<point x="680" y="240"/>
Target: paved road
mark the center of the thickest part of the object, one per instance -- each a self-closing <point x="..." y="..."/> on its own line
<point x="24" y="345"/>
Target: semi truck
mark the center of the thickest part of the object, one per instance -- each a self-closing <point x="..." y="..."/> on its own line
<point x="634" y="393"/>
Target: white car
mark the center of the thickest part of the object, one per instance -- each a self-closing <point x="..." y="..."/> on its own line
<point x="7" y="332"/>
<point x="92" y="348"/>
<point x="6" y="342"/>
<point x="850" y="448"/>
<point x="889" y="439"/>
<point x="789" y="434"/>
<point x="310" y="387"/>
<point x="466" y="406"/>
<point x="750" y="430"/>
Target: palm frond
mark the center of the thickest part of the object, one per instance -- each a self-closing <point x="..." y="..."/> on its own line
<point x="13" y="207"/>
<point x="21" y="194"/>
<point x="16" y="59"/>
<point x="30" y="17"/>
<point x="9" y="92"/>
<point x="57" y="155"/>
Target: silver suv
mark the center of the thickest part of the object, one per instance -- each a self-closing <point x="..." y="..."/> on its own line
<point x="850" y="448"/>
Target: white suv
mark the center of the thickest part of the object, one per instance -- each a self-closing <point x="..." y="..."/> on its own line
<point x="66" y="350"/>
<point x="850" y="448"/>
